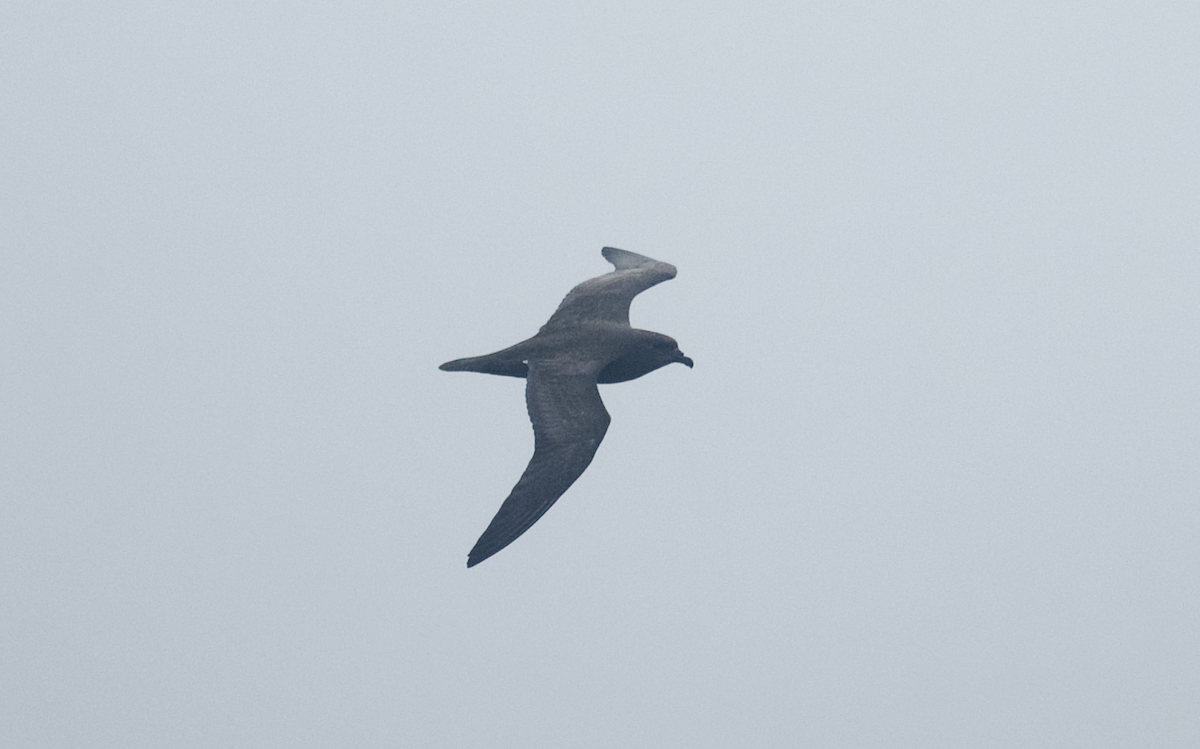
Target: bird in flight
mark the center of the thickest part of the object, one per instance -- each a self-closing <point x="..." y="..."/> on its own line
<point x="588" y="340"/>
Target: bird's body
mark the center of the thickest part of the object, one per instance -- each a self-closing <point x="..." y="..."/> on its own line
<point x="587" y="341"/>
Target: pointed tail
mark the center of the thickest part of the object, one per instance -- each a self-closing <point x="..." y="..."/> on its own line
<point x="496" y="364"/>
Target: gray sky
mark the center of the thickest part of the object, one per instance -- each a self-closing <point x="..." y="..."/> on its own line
<point x="934" y="480"/>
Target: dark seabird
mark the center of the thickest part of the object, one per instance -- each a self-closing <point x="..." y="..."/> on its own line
<point x="588" y="340"/>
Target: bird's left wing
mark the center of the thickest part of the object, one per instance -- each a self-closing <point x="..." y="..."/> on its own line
<point x="569" y="421"/>
<point x="607" y="298"/>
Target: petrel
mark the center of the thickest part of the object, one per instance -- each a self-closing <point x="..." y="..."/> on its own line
<point x="588" y="340"/>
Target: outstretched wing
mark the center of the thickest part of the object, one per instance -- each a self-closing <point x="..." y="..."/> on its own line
<point x="607" y="298"/>
<point x="569" y="421"/>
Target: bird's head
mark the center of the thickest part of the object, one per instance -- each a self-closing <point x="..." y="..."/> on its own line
<point x="666" y="350"/>
<point x="649" y="352"/>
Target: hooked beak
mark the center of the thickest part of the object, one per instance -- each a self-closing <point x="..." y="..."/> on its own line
<point x="684" y="360"/>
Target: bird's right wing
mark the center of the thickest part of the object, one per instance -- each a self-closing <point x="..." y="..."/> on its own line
<point x="569" y="421"/>
<point x="607" y="298"/>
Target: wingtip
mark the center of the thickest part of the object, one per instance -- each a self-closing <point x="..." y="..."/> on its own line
<point x="624" y="259"/>
<point x="474" y="557"/>
<point x="479" y="552"/>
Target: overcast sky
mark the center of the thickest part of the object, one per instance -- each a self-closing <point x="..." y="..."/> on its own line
<point x="933" y="482"/>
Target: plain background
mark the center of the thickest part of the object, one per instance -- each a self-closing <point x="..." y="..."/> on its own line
<point x="934" y="481"/>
